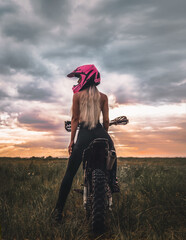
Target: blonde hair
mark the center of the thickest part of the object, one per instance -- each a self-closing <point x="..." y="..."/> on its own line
<point x="89" y="102"/>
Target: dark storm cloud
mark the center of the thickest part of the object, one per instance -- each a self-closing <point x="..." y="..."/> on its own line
<point x="63" y="52"/>
<point x="145" y="39"/>
<point x="150" y="46"/>
<point x="56" y="10"/>
<point x="163" y="88"/>
<point x="7" y="7"/>
<point x="167" y="9"/>
<point x="18" y="58"/>
<point x="3" y="94"/>
<point x="166" y="87"/>
<point x="36" y="122"/>
<point x="32" y="91"/>
<point x="27" y="29"/>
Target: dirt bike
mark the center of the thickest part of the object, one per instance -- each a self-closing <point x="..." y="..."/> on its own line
<point x="98" y="160"/>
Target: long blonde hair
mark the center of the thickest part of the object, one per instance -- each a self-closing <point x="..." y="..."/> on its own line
<point x="89" y="102"/>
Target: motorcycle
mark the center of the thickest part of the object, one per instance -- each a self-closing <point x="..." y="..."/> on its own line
<point x="98" y="161"/>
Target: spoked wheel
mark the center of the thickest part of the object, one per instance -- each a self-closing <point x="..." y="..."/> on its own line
<point x="98" y="200"/>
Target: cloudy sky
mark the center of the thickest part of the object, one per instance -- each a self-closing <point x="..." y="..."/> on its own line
<point x="139" y="48"/>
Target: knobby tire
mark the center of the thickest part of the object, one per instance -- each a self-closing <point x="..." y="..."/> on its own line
<point x="98" y="200"/>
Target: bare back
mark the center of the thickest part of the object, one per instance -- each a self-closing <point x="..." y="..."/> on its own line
<point x="103" y="105"/>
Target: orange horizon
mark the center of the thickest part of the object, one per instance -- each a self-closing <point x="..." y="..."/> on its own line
<point x="151" y="132"/>
<point x="62" y="153"/>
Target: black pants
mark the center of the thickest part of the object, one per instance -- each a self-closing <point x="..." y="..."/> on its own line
<point x="85" y="137"/>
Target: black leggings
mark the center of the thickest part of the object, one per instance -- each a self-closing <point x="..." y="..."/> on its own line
<point x="85" y="137"/>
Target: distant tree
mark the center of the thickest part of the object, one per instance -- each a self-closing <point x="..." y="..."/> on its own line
<point x="49" y="158"/>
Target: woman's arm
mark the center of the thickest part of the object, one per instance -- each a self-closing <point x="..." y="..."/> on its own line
<point x="105" y="113"/>
<point x="74" y="121"/>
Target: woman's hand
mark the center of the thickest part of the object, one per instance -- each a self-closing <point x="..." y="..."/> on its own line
<point x="70" y="147"/>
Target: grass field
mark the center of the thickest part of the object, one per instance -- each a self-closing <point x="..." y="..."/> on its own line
<point x="151" y="205"/>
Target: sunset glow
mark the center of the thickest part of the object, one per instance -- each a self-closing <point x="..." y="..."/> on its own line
<point x="152" y="131"/>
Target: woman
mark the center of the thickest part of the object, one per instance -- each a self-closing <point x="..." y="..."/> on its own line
<point x="87" y="105"/>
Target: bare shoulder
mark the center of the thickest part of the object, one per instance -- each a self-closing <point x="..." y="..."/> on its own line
<point x="103" y="96"/>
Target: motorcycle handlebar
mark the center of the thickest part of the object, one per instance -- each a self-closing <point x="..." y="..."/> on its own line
<point x="117" y="121"/>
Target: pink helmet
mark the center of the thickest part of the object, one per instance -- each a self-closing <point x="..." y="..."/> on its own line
<point x="88" y="75"/>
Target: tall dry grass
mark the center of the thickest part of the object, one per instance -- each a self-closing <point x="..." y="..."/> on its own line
<point x="151" y="204"/>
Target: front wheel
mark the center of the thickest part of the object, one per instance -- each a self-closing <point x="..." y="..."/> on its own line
<point x="98" y="200"/>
